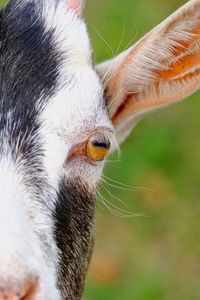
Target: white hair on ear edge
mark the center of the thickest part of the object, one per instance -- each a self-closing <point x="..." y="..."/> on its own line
<point x="162" y="68"/>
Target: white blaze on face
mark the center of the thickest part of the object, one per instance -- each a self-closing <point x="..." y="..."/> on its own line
<point x="77" y="107"/>
<point x="14" y="224"/>
<point x="75" y="111"/>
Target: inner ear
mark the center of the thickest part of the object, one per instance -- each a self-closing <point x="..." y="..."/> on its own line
<point x="160" y="69"/>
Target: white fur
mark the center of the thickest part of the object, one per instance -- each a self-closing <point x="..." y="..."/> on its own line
<point x="20" y="248"/>
<point x="69" y="119"/>
<point x="78" y="106"/>
<point x="76" y="111"/>
<point x="72" y="116"/>
<point x="70" y="34"/>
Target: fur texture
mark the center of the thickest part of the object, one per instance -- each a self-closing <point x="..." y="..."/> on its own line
<point x="47" y="106"/>
<point x="51" y="102"/>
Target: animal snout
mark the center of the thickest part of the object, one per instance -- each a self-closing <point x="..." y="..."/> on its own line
<point x="24" y="291"/>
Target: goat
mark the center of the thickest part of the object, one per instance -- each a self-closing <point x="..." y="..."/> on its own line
<point x="59" y="119"/>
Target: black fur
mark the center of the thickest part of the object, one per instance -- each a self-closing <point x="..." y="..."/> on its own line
<point x="28" y="73"/>
<point x="74" y="224"/>
<point x="29" y="65"/>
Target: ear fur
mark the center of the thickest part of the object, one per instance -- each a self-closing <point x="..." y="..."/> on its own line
<point x="76" y="6"/>
<point x="162" y="68"/>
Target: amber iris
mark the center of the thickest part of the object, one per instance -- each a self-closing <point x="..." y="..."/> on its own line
<point x="97" y="148"/>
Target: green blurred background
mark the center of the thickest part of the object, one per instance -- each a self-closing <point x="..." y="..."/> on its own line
<point x="148" y="240"/>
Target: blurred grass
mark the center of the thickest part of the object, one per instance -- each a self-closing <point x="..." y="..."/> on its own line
<point x="154" y="255"/>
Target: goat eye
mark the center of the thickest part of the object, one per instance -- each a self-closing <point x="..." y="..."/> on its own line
<point x="97" y="148"/>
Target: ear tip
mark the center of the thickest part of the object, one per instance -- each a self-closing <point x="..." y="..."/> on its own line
<point x="76" y="6"/>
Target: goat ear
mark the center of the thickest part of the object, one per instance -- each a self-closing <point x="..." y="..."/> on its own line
<point x="76" y="6"/>
<point x="162" y="68"/>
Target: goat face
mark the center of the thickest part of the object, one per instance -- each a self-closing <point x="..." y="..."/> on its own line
<point x="56" y="128"/>
<point x="52" y="111"/>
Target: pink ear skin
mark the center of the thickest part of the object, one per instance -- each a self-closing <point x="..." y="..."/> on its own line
<point x="75" y="6"/>
<point x="143" y="78"/>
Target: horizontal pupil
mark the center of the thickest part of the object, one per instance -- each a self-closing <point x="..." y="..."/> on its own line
<point x="101" y="145"/>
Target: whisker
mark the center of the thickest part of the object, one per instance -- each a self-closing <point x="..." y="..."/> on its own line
<point x="133" y="39"/>
<point x="122" y="186"/>
<point x="121" y="39"/>
<point x="116" y="210"/>
<point x="112" y="165"/>
<point x="108" y="47"/>
<point x="107" y="80"/>
<point x="106" y="188"/>
<point x="102" y="200"/>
